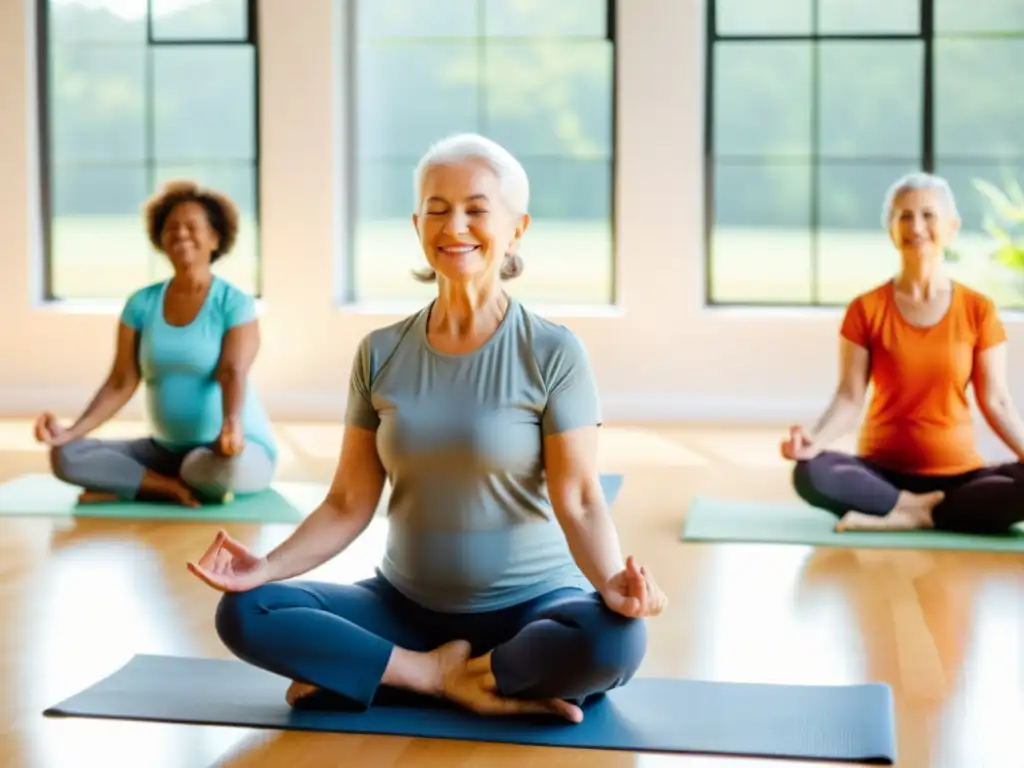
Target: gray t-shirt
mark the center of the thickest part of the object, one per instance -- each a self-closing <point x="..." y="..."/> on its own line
<point x="471" y="527"/>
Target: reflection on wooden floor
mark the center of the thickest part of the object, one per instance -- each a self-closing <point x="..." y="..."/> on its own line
<point x="945" y="629"/>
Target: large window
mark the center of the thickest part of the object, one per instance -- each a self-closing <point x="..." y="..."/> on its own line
<point x="535" y="75"/>
<point x="814" y="107"/>
<point x="134" y="93"/>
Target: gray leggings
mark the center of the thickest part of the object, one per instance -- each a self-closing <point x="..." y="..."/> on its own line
<point x="118" y="466"/>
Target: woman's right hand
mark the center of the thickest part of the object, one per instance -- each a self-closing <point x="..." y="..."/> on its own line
<point x="229" y="566"/>
<point x="50" y="432"/>
<point x="799" y="446"/>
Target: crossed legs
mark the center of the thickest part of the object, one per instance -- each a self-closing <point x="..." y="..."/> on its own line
<point x="363" y="643"/>
<point x="868" y="497"/>
<point x="130" y="469"/>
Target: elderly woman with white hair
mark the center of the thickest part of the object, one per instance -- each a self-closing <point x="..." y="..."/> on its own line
<point x="503" y="588"/>
<point x="920" y="339"/>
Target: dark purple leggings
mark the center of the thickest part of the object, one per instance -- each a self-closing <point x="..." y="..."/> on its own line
<point x="988" y="500"/>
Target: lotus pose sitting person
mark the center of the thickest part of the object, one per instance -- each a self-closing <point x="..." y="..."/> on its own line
<point x="502" y="588"/>
<point x="921" y="338"/>
<point x="191" y="340"/>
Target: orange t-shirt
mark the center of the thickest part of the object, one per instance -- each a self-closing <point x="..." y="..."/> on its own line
<point x="919" y="418"/>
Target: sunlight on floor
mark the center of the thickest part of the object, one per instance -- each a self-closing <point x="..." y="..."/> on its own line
<point x="623" y="446"/>
<point x="750" y="588"/>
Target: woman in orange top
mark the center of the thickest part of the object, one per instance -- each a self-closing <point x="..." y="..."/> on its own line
<point x="921" y="339"/>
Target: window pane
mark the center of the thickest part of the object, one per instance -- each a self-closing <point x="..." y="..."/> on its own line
<point x="761" y="17"/>
<point x="568" y="251"/>
<point x="985" y="16"/>
<point x="202" y="20"/>
<point x="761" y="243"/>
<point x="550" y="97"/>
<point x="854" y="250"/>
<point x="97" y="103"/>
<point x="99" y="243"/>
<point x="385" y="244"/>
<point x="544" y="18"/>
<point x="762" y="99"/>
<point x="974" y="244"/>
<point x="416" y="18"/>
<point x="869" y="16"/>
<point x="113" y="21"/>
<point x="204" y="98"/>
<point x="238" y="183"/>
<point x="979" y="111"/>
<point x="413" y="94"/>
<point x="869" y="103"/>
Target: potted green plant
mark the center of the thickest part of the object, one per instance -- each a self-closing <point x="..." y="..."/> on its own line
<point x="1004" y="222"/>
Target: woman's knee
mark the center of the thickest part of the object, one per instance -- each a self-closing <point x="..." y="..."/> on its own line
<point x="807" y="475"/>
<point x="612" y="646"/>
<point x="238" y="615"/>
<point x="207" y="472"/>
<point x="64" y="460"/>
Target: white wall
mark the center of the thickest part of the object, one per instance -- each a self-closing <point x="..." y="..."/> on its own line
<point x="663" y="355"/>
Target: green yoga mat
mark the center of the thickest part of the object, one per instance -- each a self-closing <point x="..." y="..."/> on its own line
<point x="722" y="520"/>
<point x="40" y="495"/>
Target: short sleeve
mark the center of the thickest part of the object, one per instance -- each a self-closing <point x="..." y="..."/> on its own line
<point x="239" y="309"/>
<point x="855" y="324"/>
<point x="573" y="399"/>
<point x="135" y="309"/>
<point x="359" y="410"/>
<point x="991" y="331"/>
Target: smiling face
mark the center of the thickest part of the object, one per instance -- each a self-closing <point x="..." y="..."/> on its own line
<point x="465" y="227"/>
<point x="922" y="224"/>
<point x="187" y="237"/>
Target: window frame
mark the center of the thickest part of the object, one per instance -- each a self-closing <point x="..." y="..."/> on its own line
<point x="925" y="35"/>
<point x="347" y="297"/>
<point x="44" y="128"/>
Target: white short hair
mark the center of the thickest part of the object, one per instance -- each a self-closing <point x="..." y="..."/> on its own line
<point x="515" y="186"/>
<point x="918" y="180"/>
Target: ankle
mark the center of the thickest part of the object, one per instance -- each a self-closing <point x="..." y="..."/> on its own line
<point x="416" y="671"/>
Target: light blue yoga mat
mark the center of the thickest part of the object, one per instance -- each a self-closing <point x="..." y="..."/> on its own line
<point x="724" y="520"/>
<point x="854" y="723"/>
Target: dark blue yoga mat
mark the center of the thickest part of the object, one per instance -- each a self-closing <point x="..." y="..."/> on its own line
<point x="838" y="723"/>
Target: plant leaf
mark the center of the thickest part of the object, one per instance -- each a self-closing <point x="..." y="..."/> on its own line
<point x="1010" y="255"/>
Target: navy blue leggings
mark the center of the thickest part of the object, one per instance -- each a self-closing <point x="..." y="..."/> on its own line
<point x="988" y="500"/>
<point x="566" y="644"/>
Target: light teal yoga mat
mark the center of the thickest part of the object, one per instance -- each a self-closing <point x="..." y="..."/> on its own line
<point x="41" y="495"/>
<point x="722" y="520"/>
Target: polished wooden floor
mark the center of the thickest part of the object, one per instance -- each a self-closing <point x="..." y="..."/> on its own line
<point x="945" y="629"/>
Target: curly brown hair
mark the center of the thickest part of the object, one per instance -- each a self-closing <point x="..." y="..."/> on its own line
<point x="221" y="212"/>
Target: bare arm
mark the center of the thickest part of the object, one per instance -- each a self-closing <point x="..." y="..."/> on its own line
<point x="241" y="344"/>
<point x="992" y="392"/>
<point x="117" y="390"/>
<point x="579" y="504"/>
<point x="848" y="400"/>
<point x="342" y="516"/>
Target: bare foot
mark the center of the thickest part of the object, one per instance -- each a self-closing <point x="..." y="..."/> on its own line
<point x="96" y="497"/>
<point x="421" y="672"/>
<point x="471" y="684"/>
<point x="298" y="691"/>
<point x="913" y="512"/>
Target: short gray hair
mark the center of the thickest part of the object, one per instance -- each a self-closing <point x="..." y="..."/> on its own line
<point x="515" y="185"/>
<point x="918" y="180"/>
<point x="512" y="179"/>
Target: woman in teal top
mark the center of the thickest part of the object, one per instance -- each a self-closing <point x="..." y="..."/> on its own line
<point x="191" y="340"/>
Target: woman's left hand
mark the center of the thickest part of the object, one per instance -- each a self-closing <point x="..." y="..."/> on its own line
<point x="231" y="439"/>
<point x="632" y="592"/>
